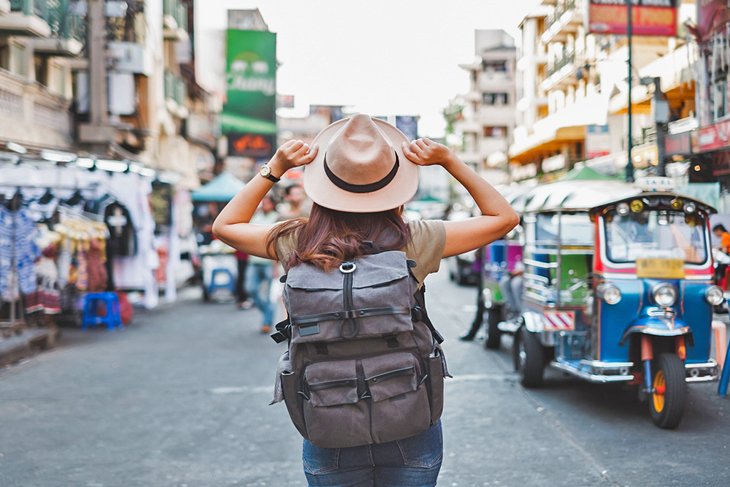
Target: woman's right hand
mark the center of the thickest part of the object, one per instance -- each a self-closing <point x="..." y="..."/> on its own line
<point x="293" y="153"/>
<point x="426" y="152"/>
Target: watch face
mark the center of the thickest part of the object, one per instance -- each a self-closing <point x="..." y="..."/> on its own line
<point x="265" y="171"/>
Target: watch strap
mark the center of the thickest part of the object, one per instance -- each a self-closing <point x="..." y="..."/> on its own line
<point x="270" y="176"/>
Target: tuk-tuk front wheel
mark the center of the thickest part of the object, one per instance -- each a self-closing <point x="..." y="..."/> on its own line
<point x="669" y="393"/>
<point x="494" y="335"/>
<point x="529" y="358"/>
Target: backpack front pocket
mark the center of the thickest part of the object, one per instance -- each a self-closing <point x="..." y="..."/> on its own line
<point x="334" y="415"/>
<point x="399" y="397"/>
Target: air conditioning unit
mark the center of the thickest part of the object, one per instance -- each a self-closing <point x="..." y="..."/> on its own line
<point x="130" y="57"/>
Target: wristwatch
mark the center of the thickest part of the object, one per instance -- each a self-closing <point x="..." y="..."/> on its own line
<point x="265" y="172"/>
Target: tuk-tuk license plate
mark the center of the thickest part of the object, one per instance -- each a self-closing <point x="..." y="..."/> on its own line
<point x="559" y="320"/>
<point x="660" y="268"/>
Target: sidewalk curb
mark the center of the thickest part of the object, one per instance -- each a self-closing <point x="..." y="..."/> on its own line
<point x="27" y="343"/>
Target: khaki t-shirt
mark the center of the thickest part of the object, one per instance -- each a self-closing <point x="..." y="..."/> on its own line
<point x="426" y="246"/>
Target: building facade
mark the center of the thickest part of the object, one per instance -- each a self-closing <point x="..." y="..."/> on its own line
<point x="488" y="115"/>
<point x="571" y="87"/>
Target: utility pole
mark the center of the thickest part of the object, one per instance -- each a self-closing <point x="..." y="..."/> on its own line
<point x="660" y="114"/>
<point x="630" y="142"/>
<point x="97" y="133"/>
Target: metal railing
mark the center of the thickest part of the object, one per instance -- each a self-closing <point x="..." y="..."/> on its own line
<point x="175" y="88"/>
<point x="178" y="11"/>
<point x="560" y="9"/>
<point x="59" y="15"/>
<point x="568" y="57"/>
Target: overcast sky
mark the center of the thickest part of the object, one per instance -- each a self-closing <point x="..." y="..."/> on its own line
<point x="382" y="57"/>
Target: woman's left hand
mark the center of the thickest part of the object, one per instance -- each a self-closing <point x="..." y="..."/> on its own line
<point x="426" y="152"/>
<point x="293" y="153"/>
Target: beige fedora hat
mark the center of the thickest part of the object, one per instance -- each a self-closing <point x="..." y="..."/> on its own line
<point x="360" y="167"/>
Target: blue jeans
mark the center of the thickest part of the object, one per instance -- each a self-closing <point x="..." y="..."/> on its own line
<point x="258" y="279"/>
<point x="413" y="462"/>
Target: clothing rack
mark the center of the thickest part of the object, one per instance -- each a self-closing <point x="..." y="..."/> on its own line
<point x="17" y="319"/>
<point x="17" y="314"/>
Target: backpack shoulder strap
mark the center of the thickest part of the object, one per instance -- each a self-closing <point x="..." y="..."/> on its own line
<point x="420" y="314"/>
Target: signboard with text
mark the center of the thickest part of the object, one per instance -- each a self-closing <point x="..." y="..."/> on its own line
<point x="598" y="141"/>
<point x="712" y="137"/>
<point x="249" y="114"/>
<point x="650" y="17"/>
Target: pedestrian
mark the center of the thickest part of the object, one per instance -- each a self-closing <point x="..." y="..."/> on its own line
<point x="721" y="232"/>
<point x="476" y="324"/>
<point x="242" y="298"/>
<point x="295" y="203"/>
<point x="361" y="172"/>
<point x="260" y="271"/>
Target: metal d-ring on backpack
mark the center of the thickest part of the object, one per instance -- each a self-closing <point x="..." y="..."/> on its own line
<point x="364" y="363"/>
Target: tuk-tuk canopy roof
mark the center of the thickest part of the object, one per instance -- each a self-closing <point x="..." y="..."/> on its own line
<point x="667" y="197"/>
<point x="221" y="189"/>
<point x="573" y="195"/>
<point x="587" y="195"/>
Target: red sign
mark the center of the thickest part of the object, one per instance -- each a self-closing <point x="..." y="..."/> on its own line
<point x="251" y="145"/>
<point x="650" y="17"/>
<point x="678" y="144"/>
<point x="713" y="137"/>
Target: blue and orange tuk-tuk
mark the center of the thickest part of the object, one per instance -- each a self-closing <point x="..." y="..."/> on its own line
<point x="618" y="287"/>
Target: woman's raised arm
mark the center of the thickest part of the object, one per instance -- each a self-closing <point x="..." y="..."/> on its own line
<point x="497" y="218"/>
<point x="232" y="225"/>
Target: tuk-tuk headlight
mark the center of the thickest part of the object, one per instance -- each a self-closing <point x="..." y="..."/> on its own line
<point x="714" y="296"/>
<point x="609" y="293"/>
<point x="664" y="295"/>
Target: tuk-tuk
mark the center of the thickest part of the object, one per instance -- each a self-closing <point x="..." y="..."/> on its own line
<point x="618" y="287"/>
<point x="502" y="264"/>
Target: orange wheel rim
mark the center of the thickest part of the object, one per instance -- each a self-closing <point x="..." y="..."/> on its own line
<point x="660" y="387"/>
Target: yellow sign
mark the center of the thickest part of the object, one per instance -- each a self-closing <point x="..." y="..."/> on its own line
<point x="660" y="268"/>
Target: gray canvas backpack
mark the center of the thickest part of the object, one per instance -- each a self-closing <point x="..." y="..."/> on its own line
<point x="364" y="363"/>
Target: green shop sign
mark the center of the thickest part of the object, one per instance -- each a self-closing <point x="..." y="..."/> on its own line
<point x="249" y="115"/>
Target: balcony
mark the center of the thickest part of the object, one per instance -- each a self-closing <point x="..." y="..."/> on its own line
<point x="564" y="20"/>
<point x="497" y="115"/>
<point x="175" y="20"/>
<point x="31" y="115"/>
<point x="496" y="81"/>
<point x="54" y="27"/>
<point x="26" y="18"/>
<point x="560" y="72"/>
<point x="175" y="94"/>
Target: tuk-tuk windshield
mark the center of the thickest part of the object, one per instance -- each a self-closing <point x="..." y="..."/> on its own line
<point x="655" y="234"/>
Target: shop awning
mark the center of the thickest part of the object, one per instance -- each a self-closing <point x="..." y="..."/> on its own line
<point x="540" y="145"/>
<point x="221" y="189"/>
<point x="587" y="174"/>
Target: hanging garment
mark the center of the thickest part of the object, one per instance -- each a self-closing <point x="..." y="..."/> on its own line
<point x="122" y="235"/>
<point x="17" y="253"/>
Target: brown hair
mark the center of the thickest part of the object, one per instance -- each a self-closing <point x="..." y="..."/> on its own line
<point x="329" y="237"/>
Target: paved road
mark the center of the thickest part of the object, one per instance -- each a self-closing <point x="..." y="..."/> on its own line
<point x="180" y="399"/>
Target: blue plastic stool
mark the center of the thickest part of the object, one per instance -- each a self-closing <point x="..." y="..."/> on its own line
<point x="112" y="319"/>
<point x="229" y="285"/>
<point x="725" y="377"/>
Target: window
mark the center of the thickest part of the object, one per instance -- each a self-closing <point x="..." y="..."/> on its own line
<point x="655" y="234"/>
<point x="494" y="66"/>
<point x="719" y="95"/>
<point x="495" y="99"/>
<point x="495" y="131"/>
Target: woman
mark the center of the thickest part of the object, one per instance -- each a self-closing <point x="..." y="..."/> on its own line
<point x="360" y="172"/>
